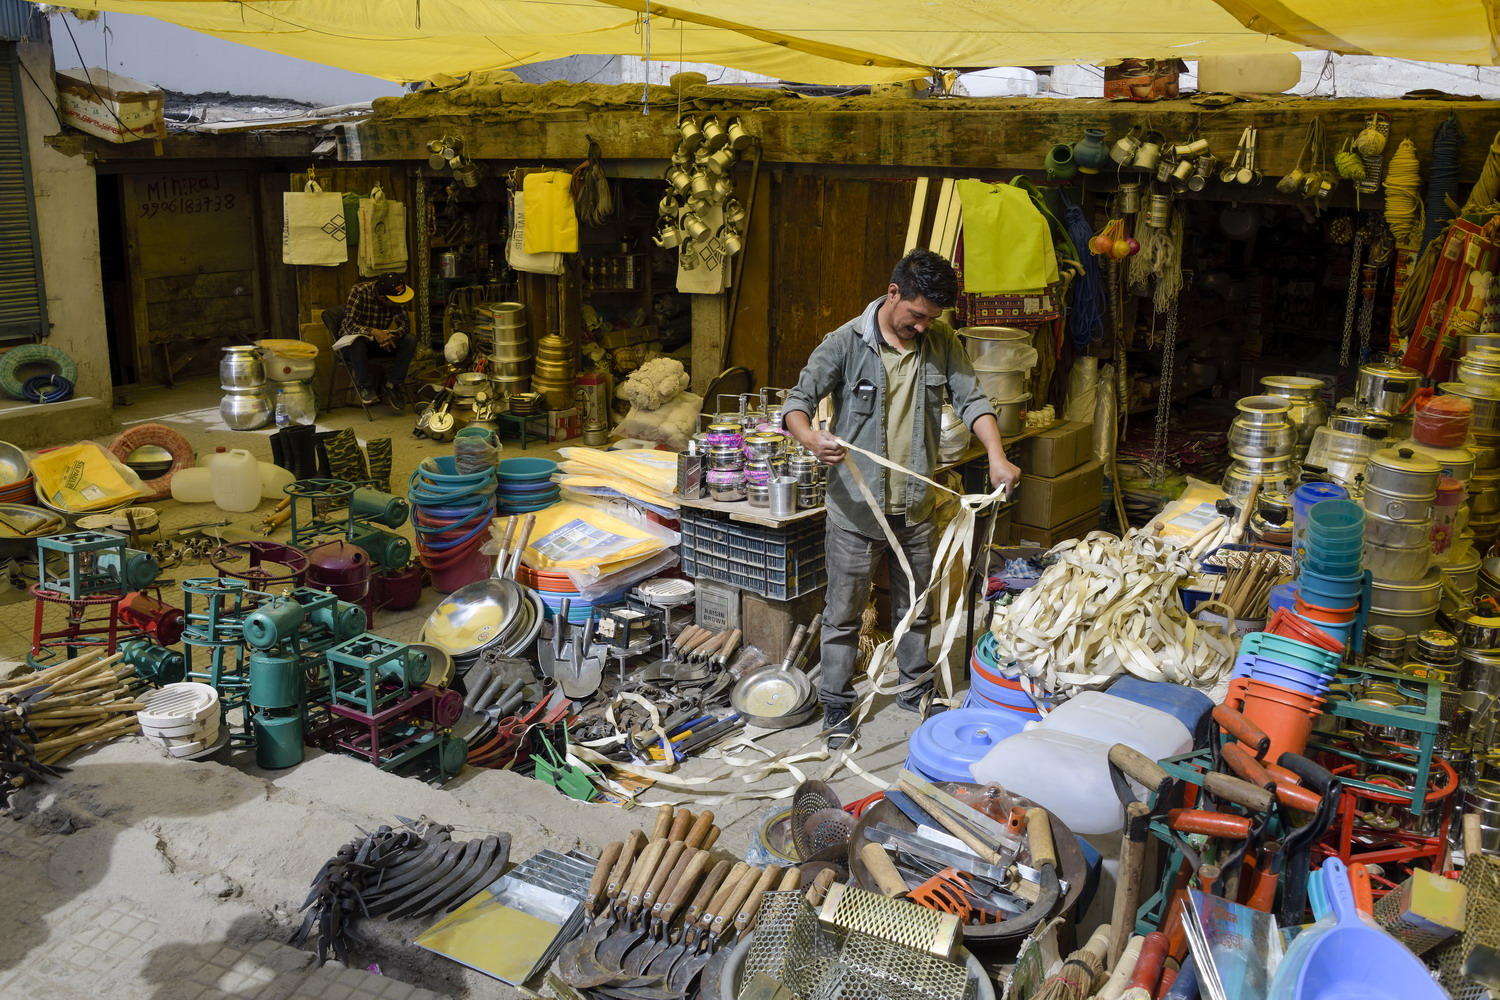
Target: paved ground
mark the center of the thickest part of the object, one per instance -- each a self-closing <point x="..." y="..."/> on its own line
<point x="138" y="877"/>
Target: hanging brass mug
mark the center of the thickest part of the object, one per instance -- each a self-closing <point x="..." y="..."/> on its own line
<point x="1159" y="211"/>
<point x="1126" y="147"/>
<point x="730" y="240"/>
<point x="720" y="160"/>
<point x="1182" y="171"/>
<point x="734" y="212"/>
<point x="1130" y="198"/>
<point x="668" y="207"/>
<point x="1149" y="153"/>
<point x="1164" y="169"/>
<point x="738" y="137"/>
<point x="679" y="179"/>
<point x="692" y="134"/>
<point x="1195" y="148"/>
<point x="702" y="184"/>
<point x="714" y="135"/>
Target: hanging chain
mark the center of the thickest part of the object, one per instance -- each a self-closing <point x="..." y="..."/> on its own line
<point x="1351" y="300"/>
<point x="1165" y="390"/>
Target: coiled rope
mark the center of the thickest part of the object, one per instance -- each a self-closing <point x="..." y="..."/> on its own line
<point x="1442" y="185"/>
<point x="1403" y="200"/>
<point x="1486" y="191"/>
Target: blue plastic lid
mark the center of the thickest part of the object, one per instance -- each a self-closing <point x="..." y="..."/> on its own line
<point x="1310" y="493"/>
<point x="1187" y="705"/>
<point x="1283" y="596"/>
<point x="946" y="745"/>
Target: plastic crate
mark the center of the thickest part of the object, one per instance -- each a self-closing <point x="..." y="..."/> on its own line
<point x="775" y="563"/>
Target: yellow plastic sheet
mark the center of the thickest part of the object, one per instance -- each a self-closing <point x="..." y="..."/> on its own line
<point x="651" y="469"/>
<point x="80" y="477"/>
<point x="833" y="41"/>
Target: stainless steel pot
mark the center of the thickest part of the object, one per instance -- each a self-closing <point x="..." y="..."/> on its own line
<point x="1308" y="412"/>
<point x="1340" y="454"/>
<point x="1382" y="530"/>
<point x="1480" y="367"/>
<point x="240" y="367"/>
<point x="1484" y="493"/>
<point x="1009" y="413"/>
<point x="1409" y="595"/>
<point x="519" y="367"/>
<point x="1409" y="622"/>
<point x="763" y="446"/>
<point x="1239" y="480"/>
<point x="1359" y="421"/>
<point x="1262" y="441"/>
<point x="244" y="409"/>
<point x="1485" y="527"/>
<point x="1002" y="385"/>
<point x="1402" y="472"/>
<point x="1263" y="410"/>
<point x="1276" y="465"/>
<point x="1481" y="671"/>
<point x="1386" y="388"/>
<point x="298" y="401"/>
<point x="1392" y="563"/>
<point x="1464" y="572"/>
<point x="1396" y="507"/>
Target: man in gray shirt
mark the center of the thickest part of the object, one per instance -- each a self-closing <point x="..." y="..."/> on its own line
<point x="888" y="370"/>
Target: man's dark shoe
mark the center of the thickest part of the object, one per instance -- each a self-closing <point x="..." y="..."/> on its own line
<point x="838" y="727"/>
<point x="395" y="397"/>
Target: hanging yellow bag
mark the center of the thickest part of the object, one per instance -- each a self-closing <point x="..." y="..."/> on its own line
<point x="1007" y="243"/>
<point x="551" y="222"/>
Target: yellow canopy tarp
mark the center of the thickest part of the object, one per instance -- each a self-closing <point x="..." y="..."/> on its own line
<point x="823" y="41"/>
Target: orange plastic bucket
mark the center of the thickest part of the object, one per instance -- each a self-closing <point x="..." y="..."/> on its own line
<point x="1285" y="716"/>
<point x="1285" y="623"/>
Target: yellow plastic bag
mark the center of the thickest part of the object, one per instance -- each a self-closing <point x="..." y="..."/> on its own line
<point x="572" y="536"/>
<point x="551" y="222"/>
<point x="83" y="477"/>
<point x="1007" y="244"/>
<point x="655" y="470"/>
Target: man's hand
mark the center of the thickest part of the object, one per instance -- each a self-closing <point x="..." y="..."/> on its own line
<point x="1003" y="472"/>
<point x="825" y="446"/>
<point x="385" y="338"/>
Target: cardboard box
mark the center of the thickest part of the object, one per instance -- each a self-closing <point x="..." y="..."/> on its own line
<point x="563" y="425"/>
<point x="1143" y="79"/>
<point x="110" y="106"/>
<point x="1045" y="538"/>
<point x="1044" y="502"/>
<point x="613" y="339"/>
<point x="1055" y="450"/>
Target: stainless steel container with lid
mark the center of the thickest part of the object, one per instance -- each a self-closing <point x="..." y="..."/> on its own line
<point x="1486" y="458"/>
<point x="1484" y="404"/>
<point x="1360" y="421"/>
<point x="1484" y="493"/>
<point x="758" y="494"/>
<point x="1307" y="410"/>
<point x="763" y="445"/>
<point x="1341" y="455"/>
<point x="1382" y="530"/>
<point x="1402" y="472"/>
<point x="1485" y="528"/>
<point x="1393" y="563"/>
<point x="1409" y="595"/>
<point x="240" y="367"/>
<point x="1410" y="622"/>
<point x="1477" y="630"/>
<point x="1455" y="462"/>
<point x="1385" y="643"/>
<point x="1385" y="387"/>
<point x="1481" y="368"/>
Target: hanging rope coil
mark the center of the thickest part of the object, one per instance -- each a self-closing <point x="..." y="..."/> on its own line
<point x="1403" y="200"/>
<point x="1486" y="191"/>
<point x="1447" y="140"/>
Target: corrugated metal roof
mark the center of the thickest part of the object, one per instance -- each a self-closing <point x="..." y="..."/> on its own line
<point x="20" y="21"/>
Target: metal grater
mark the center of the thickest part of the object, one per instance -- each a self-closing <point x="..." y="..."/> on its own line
<point x="1391" y="912"/>
<point x="812" y="953"/>
<point x="1481" y="877"/>
<point x="872" y="969"/>
<point x="773" y="933"/>
<point x="915" y="927"/>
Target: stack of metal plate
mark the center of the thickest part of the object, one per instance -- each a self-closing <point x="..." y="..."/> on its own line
<point x="487" y="614"/>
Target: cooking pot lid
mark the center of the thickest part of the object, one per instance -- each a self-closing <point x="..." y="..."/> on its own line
<point x="1296" y="383"/>
<point x="1403" y="459"/>
<point x="1468" y="391"/>
<point x="994" y="333"/>
<point x="1388" y="370"/>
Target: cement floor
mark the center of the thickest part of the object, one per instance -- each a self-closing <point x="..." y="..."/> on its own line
<point x="136" y="876"/>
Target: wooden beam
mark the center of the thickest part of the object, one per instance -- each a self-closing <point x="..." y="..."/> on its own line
<point x="923" y="136"/>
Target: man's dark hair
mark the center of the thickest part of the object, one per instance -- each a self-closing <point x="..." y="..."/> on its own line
<point x="927" y="274"/>
<point x="390" y="284"/>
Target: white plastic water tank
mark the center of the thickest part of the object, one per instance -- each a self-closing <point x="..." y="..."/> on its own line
<point x="1062" y="763"/>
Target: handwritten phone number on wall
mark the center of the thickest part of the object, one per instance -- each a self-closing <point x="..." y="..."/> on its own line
<point x="189" y="206"/>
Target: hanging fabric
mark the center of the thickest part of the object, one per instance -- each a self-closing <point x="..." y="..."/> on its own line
<point x="1007" y="241"/>
<point x="551" y="222"/>
<point x="312" y="227"/>
<point x="382" y="230"/>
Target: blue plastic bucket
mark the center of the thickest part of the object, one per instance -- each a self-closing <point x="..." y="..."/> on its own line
<point x="1302" y="500"/>
<point x="1332" y="566"/>
<point x="521" y="470"/>
<point x="1283" y="596"/>
<point x="1282" y="675"/>
<point x="945" y="746"/>
<point x="1335" y="521"/>
<point x="1330" y="591"/>
<point x="996" y="694"/>
<point x="443" y="470"/>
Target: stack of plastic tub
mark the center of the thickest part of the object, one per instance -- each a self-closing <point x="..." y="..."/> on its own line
<point x="992" y="685"/>
<point x="1280" y="682"/>
<point x="526" y="485"/>
<point x="451" y="512"/>
<point x="1332" y="585"/>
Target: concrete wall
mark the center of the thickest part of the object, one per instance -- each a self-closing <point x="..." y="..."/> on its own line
<point x="188" y="62"/>
<point x="67" y="220"/>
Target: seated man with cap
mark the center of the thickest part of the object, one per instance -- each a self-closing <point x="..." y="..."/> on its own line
<point x="375" y="325"/>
